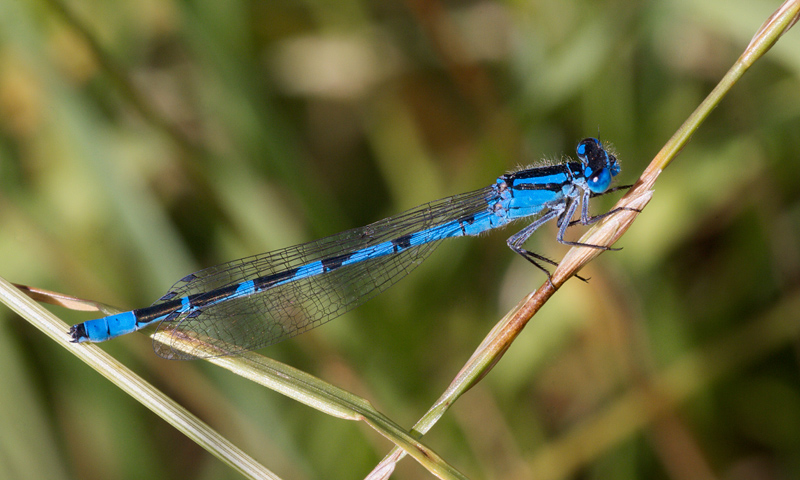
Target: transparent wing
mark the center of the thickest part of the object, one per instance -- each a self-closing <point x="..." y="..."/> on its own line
<point x="275" y="314"/>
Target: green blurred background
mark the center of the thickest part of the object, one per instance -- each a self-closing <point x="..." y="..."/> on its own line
<point x="143" y="140"/>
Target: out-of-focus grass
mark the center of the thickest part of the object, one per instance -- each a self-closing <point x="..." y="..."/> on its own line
<point x="144" y="140"/>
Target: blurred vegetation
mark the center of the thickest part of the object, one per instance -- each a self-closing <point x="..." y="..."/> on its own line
<point x="142" y="140"/>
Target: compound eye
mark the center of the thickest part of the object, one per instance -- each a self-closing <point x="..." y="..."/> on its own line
<point x="599" y="181"/>
<point x="614" y="165"/>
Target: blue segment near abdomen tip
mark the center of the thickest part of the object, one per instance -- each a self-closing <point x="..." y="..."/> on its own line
<point x="112" y="326"/>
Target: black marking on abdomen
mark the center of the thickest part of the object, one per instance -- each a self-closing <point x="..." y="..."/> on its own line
<point x="263" y="283"/>
<point x="333" y="263"/>
<point x="469" y="220"/>
<point x="202" y="299"/>
<point x="148" y="314"/>
<point x="401" y="243"/>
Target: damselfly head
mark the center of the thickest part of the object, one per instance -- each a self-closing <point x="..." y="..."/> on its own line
<point x="599" y="165"/>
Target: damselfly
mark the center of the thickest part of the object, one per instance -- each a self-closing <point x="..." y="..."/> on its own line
<point x="257" y="301"/>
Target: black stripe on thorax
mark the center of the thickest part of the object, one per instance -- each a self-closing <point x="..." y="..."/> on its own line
<point x="553" y="187"/>
<point x="570" y="169"/>
<point x="540" y="171"/>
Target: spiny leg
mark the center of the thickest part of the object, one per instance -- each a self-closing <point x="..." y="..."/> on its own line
<point x="516" y="241"/>
<point x="563" y="222"/>
<point x="587" y="219"/>
<point x="596" y="218"/>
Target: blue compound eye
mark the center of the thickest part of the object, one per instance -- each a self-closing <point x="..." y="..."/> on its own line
<point x="614" y="165"/>
<point x="599" y="181"/>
